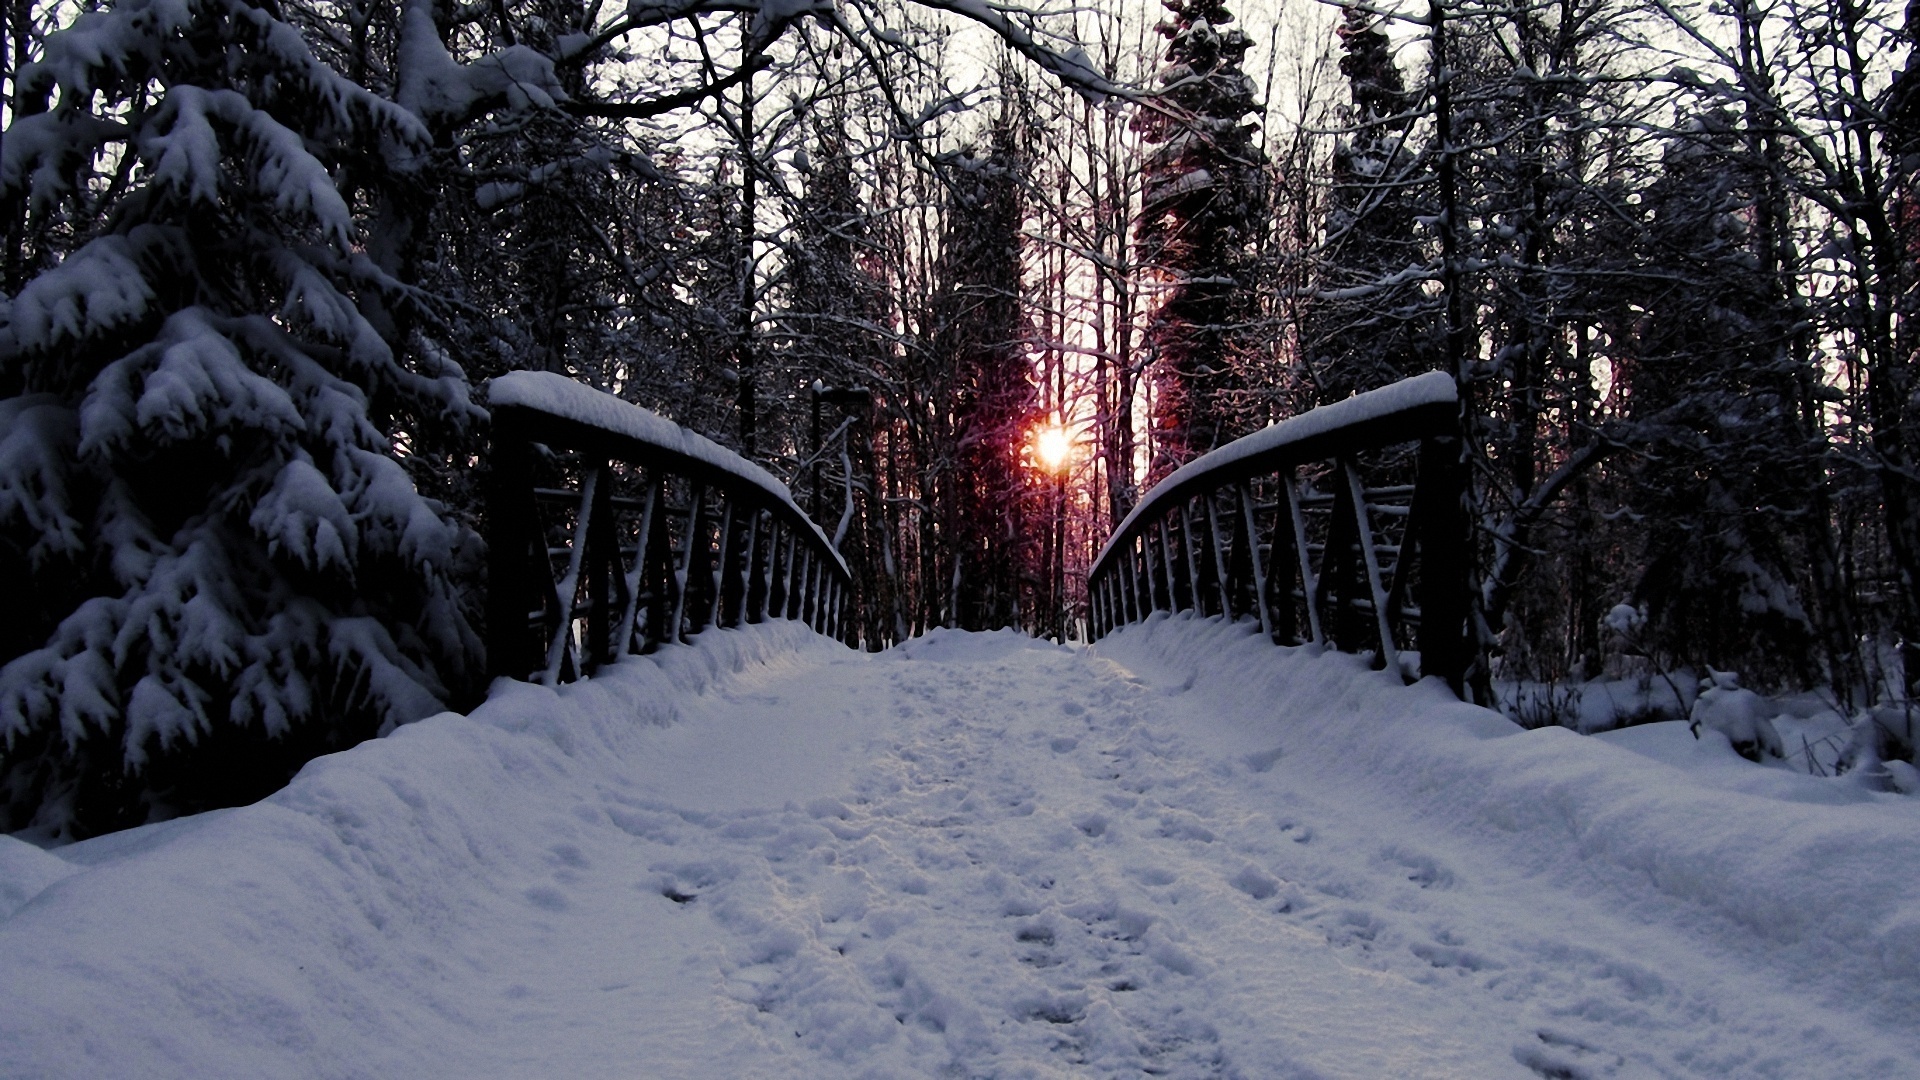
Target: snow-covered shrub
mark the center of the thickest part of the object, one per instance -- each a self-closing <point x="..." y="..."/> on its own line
<point x="1548" y="704"/>
<point x="1744" y="717"/>
<point x="206" y="403"/>
<point x="1879" y="751"/>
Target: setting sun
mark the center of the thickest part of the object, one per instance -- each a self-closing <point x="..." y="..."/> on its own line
<point x="1051" y="447"/>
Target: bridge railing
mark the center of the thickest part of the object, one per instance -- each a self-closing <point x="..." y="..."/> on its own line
<point x="1344" y="526"/>
<point x="612" y="530"/>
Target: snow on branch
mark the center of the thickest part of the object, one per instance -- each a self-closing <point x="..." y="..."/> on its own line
<point x="1073" y="67"/>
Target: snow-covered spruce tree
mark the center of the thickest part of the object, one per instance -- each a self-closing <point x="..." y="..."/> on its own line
<point x="1724" y="466"/>
<point x="977" y="337"/>
<point x="1371" y="321"/>
<point x="202" y="425"/>
<point x="1203" y="195"/>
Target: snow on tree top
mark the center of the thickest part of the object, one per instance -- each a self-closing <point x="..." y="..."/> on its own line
<point x="558" y="395"/>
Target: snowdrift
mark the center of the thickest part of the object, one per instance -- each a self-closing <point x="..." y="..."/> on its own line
<point x="1818" y="875"/>
<point x="983" y="853"/>
<point x="310" y="934"/>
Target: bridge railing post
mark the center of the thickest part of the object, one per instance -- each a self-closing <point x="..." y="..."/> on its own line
<point x="1440" y="511"/>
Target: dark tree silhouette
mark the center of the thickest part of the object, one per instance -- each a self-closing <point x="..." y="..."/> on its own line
<point x="1204" y="195"/>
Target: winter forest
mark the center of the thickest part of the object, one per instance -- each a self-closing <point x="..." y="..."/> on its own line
<point x="969" y="277"/>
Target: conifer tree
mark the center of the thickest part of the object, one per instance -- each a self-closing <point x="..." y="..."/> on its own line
<point x="209" y="425"/>
<point x="1722" y="462"/>
<point x="977" y="338"/>
<point x="1203" y="196"/>
<point x="1371" y="321"/>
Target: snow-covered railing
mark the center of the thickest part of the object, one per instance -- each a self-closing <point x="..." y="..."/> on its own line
<point x="1237" y="532"/>
<point x="611" y="530"/>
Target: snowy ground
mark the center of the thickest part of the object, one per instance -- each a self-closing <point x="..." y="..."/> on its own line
<point x="1182" y="852"/>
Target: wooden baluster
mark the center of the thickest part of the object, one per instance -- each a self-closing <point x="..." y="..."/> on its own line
<point x="603" y="556"/>
<point x="798" y="598"/>
<point x="1260" y="599"/>
<point x="1142" y="580"/>
<point x="1409" y="544"/>
<point x="1336" y="568"/>
<point x="636" y="576"/>
<point x="802" y="590"/>
<point x="1219" y="559"/>
<point x="660" y="569"/>
<point x="786" y="574"/>
<point x="817" y="595"/>
<point x="1280" y="569"/>
<point x="802" y="611"/>
<point x="744" y="579"/>
<point x="684" y="566"/>
<point x="1195" y="590"/>
<point x="1363" y="523"/>
<point x="1166" y="562"/>
<point x="767" y="571"/>
<point x="718" y="573"/>
<point x="1146" y="564"/>
<point x="816" y="589"/>
<point x="1309" y="581"/>
<point x="558" y="646"/>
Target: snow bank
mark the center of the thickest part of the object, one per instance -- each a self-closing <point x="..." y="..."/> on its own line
<point x="1816" y="877"/>
<point x="313" y="933"/>
<point x="1182" y="852"/>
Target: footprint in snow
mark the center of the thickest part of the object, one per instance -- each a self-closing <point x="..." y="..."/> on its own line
<point x="1445" y="957"/>
<point x="1562" y="1057"/>
<point x="1255" y="882"/>
<point x="1262" y="761"/>
<point x="1154" y="875"/>
<point x="1422" y="870"/>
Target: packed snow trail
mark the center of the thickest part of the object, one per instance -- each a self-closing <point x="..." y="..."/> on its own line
<point x="1180" y="853"/>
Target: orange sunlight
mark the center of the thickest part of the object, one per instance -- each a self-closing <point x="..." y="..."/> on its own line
<point x="1051" y="447"/>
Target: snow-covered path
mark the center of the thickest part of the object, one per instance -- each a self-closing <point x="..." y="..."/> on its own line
<point x="979" y="855"/>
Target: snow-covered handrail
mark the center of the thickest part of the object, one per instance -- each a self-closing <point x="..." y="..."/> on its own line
<point x="658" y="532"/>
<point x="1379" y="546"/>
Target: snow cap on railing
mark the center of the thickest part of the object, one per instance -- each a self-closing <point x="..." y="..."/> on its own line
<point x="1433" y="388"/>
<point x="569" y="399"/>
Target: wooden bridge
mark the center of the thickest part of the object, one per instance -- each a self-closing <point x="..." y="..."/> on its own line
<point x="612" y="530"/>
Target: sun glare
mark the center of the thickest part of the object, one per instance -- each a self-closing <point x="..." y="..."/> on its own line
<point x="1051" y="447"/>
